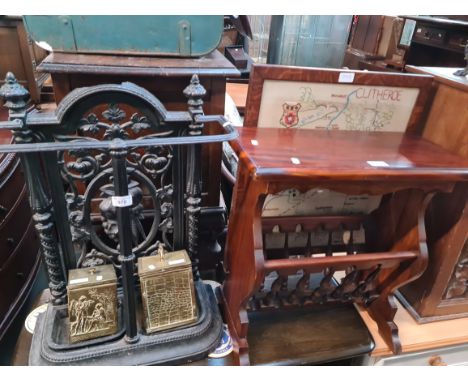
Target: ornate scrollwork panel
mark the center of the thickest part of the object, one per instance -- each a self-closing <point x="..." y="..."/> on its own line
<point x="88" y="176"/>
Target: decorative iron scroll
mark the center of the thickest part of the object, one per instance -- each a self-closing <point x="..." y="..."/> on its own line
<point x="70" y="157"/>
<point x="147" y="169"/>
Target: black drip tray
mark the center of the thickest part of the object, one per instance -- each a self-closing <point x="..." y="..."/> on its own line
<point x="50" y="345"/>
<point x="307" y="336"/>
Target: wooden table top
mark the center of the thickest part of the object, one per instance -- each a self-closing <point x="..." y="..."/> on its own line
<point x="238" y="93"/>
<point x="417" y="337"/>
<point x="444" y="75"/>
<point x="213" y="64"/>
<point x="347" y="155"/>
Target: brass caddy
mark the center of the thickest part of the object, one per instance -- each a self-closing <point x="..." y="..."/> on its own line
<point x="167" y="290"/>
<point x="92" y="302"/>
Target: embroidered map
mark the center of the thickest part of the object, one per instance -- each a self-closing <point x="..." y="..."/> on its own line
<point x="292" y="104"/>
<point x="318" y="202"/>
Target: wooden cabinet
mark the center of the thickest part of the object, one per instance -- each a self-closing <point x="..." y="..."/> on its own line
<point x="19" y="55"/>
<point x="422" y="345"/>
<point x="304" y="155"/>
<point x="366" y="33"/>
<point x="374" y="44"/>
<point x="166" y="78"/>
<point x="442" y="293"/>
<point x="447" y="356"/>
<point x="19" y="244"/>
<point x="438" y="41"/>
<point x="398" y="249"/>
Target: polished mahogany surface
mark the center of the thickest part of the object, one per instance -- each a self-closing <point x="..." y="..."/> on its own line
<point x="442" y="75"/>
<point x="341" y="155"/>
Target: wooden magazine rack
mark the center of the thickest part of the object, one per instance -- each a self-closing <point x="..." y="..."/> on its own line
<point x="385" y="159"/>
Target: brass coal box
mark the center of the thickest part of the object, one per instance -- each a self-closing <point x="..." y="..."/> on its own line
<point x="92" y="302"/>
<point x="167" y="290"/>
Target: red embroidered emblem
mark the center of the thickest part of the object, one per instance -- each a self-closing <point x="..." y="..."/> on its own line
<point x="290" y="117"/>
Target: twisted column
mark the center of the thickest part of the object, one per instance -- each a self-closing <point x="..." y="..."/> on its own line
<point x="195" y="93"/>
<point x="17" y="101"/>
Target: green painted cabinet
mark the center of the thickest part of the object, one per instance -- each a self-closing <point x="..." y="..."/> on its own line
<point x="185" y="36"/>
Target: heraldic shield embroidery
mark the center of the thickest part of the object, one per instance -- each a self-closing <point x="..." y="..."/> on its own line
<point x="290" y="117"/>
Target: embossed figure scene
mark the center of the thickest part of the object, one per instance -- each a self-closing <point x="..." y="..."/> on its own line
<point x="92" y="313"/>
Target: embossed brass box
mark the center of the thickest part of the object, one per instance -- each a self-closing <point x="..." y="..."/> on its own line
<point x="167" y="291"/>
<point x="92" y="302"/>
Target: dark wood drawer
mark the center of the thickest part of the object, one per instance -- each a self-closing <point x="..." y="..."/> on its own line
<point x="13" y="227"/>
<point x="458" y="41"/>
